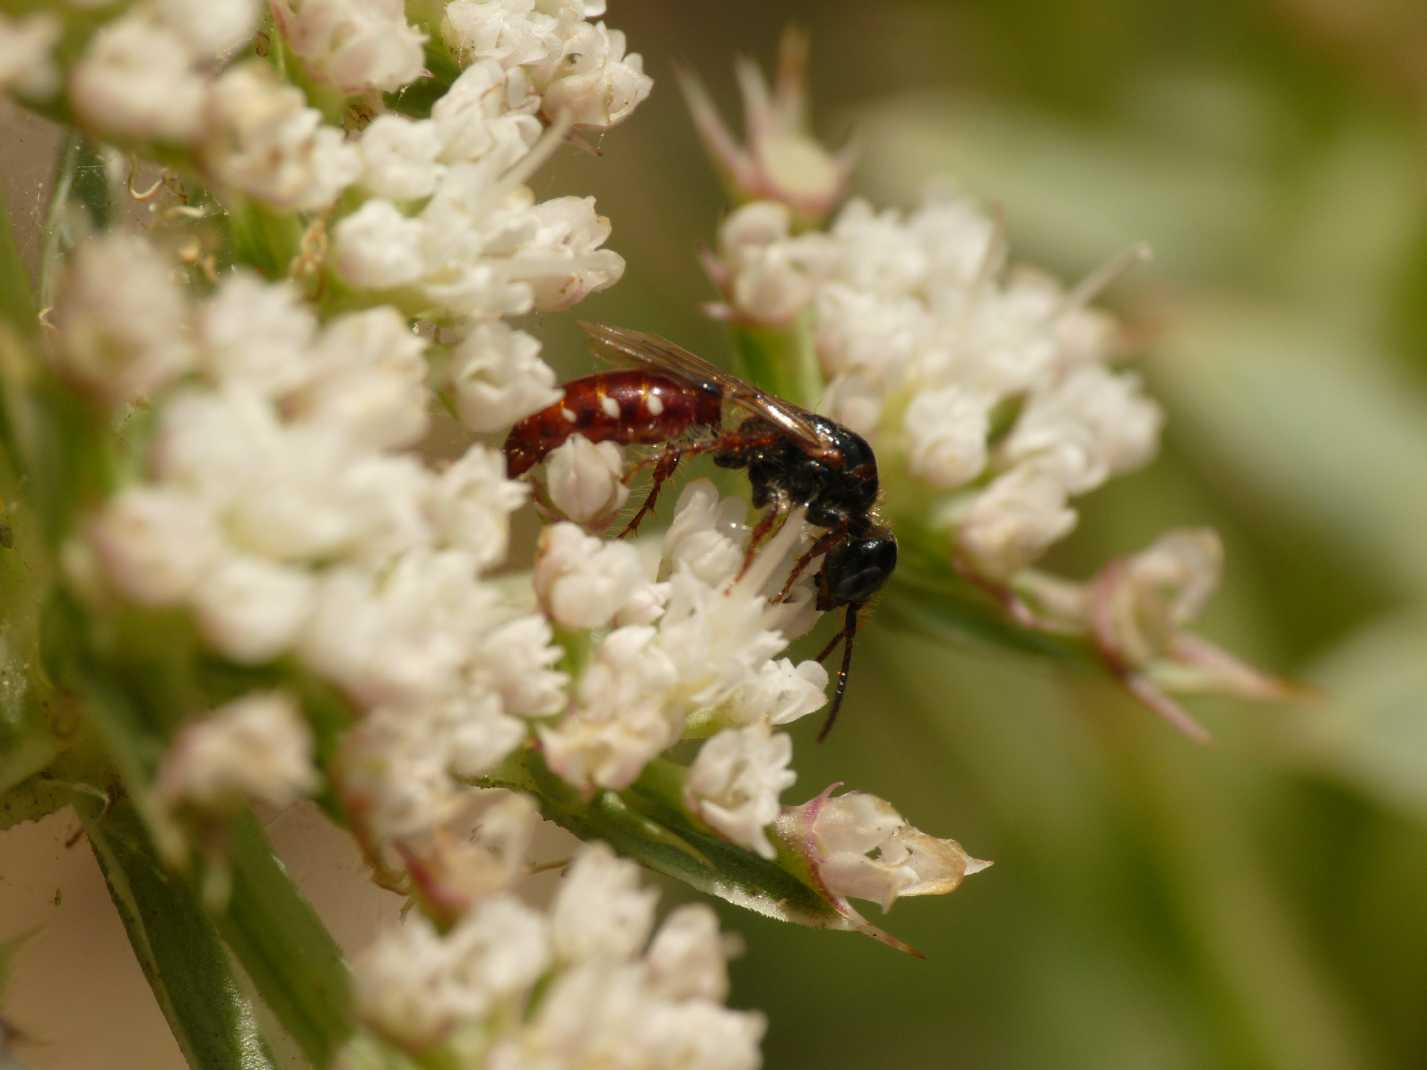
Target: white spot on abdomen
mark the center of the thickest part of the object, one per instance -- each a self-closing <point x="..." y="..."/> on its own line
<point x="567" y="415"/>
<point x="609" y="407"/>
<point x="655" y="404"/>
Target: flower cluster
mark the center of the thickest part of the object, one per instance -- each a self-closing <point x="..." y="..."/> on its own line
<point x="582" y="985"/>
<point x="992" y="395"/>
<point x="285" y="508"/>
<point x="702" y="642"/>
<point x="576" y="68"/>
<point x="995" y="392"/>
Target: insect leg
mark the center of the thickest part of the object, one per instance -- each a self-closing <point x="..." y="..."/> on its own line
<point x="668" y="461"/>
<point x="848" y="633"/>
<point x="822" y="546"/>
<point x="770" y="518"/>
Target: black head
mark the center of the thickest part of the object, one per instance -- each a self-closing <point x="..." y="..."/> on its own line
<point x="855" y="571"/>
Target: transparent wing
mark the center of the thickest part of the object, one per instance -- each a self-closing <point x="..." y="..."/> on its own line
<point x="620" y="345"/>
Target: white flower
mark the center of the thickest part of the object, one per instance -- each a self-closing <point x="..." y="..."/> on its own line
<point x="510" y="32"/>
<point x="481" y="247"/>
<point x="366" y="377"/>
<point x="515" y="659"/>
<point x="568" y="236"/>
<point x="1014" y="519"/>
<point x="621" y="718"/>
<point x="1118" y="426"/>
<point x="252" y="610"/>
<point x="601" y="1014"/>
<point x="861" y="848"/>
<point x="779" y="693"/>
<point x="354" y="44"/>
<point x="595" y="83"/>
<point x="735" y="782"/>
<point x="26" y="54"/>
<point x="136" y="81"/>
<point x="154" y="545"/>
<point x="583" y="582"/>
<point x="499" y="378"/>
<point x="572" y="988"/>
<point x="719" y="634"/>
<point x="488" y="114"/>
<point x="379" y="248"/>
<point x="256" y="747"/>
<point x="402" y="634"/>
<point x="211" y="29"/>
<point x="946" y="435"/>
<point x="255" y="334"/>
<point x="262" y="140"/>
<point x="586" y="480"/>
<point x="762" y="273"/>
<point x="470" y="503"/>
<point x="123" y="322"/>
<point x="399" y="157"/>
<point x="687" y="956"/>
<point x="415" y="984"/>
<point x="600" y="910"/>
<point x="403" y="770"/>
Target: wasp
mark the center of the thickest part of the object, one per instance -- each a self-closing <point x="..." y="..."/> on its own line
<point x="794" y="459"/>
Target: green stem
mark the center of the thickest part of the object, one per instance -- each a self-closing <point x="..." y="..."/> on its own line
<point x="176" y="946"/>
<point x="781" y="360"/>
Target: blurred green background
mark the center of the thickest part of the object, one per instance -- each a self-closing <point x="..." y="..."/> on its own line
<point x="1258" y="903"/>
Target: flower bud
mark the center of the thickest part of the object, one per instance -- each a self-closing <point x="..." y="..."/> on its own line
<point x="586" y="480"/>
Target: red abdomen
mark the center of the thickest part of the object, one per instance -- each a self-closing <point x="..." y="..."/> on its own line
<point x="628" y="407"/>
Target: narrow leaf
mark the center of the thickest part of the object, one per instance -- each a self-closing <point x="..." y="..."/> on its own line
<point x="647" y="822"/>
<point x="176" y="946"/>
<point x="289" y="956"/>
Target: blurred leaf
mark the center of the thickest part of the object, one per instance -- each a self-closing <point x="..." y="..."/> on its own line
<point x="1308" y="428"/>
<point x="176" y="946"/>
<point x="1371" y="729"/>
<point x="1083" y="193"/>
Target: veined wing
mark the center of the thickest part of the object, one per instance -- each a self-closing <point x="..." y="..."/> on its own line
<point x="621" y="345"/>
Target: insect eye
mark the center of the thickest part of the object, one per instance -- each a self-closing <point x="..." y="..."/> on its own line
<point x="860" y="586"/>
<point x="862" y="567"/>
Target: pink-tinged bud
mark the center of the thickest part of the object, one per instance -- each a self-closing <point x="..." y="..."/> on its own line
<point x="1139" y="609"/>
<point x="857" y="846"/>
<point x="781" y="160"/>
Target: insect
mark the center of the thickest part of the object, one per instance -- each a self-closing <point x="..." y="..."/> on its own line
<point x="793" y="457"/>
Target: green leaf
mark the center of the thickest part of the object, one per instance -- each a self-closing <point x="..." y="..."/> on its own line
<point x="1369" y="730"/>
<point x="1317" y="439"/>
<point x="648" y="823"/>
<point x="289" y="956"/>
<point x="176" y="946"/>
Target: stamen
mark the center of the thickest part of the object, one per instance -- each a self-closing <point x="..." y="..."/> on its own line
<point x="1099" y="280"/>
